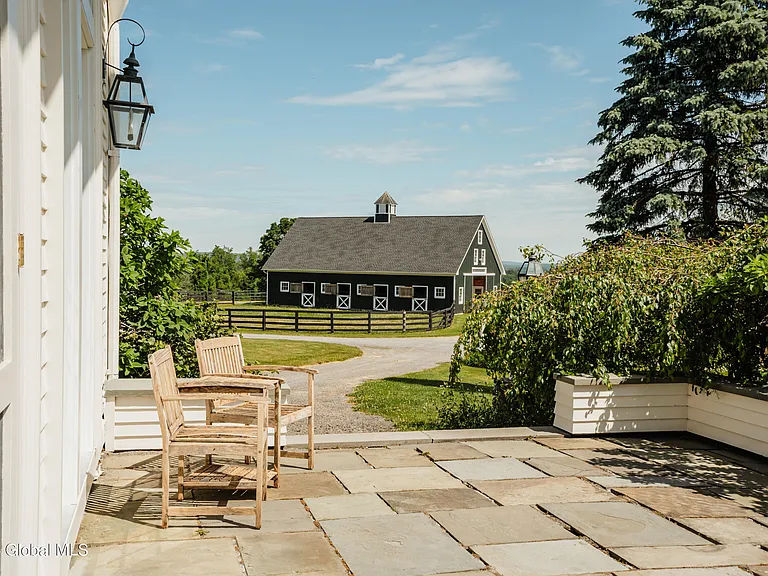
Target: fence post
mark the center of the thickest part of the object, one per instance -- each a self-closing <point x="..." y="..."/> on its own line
<point x="229" y="318"/>
<point x="331" y="321"/>
<point x="430" y="320"/>
<point x="369" y="321"/>
<point x="233" y="297"/>
<point x="404" y="321"/>
<point x="297" y="320"/>
<point x="263" y="320"/>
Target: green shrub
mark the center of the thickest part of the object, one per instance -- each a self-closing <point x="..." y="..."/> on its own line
<point x="152" y="258"/>
<point x="643" y="305"/>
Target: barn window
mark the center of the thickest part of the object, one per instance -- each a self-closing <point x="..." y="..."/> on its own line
<point x="285" y="286"/>
<point x="479" y="236"/>
<point x="365" y="290"/>
<point x="439" y="292"/>
<point x="330" y="289"/>
<point x="295" y="287"/>
<point x="461" y="294"/>
<point x="482" y="257"/>
<point x="476" y="257"/>
<point x="403" y="291"/>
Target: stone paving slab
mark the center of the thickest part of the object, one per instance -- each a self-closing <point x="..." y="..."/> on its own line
<point x="613" y="524"/>
<point x="668" y="441"/>
<point x="729" y="530"/>
<point x="348" y="506"/>
<point x="397" y="457"/>
<point x="292" y="553"/>
<point x="500" y="525"/>
<point x="308" y="485"/>
<point x="450" y="451"/>
<point x="692" y="556"/>
<point x="677" y="502"/>
<point x="277" y="516"/>
<point x="759" y="570"/>
<point x="644" y="481"/>
<point x="619" y="462"/>
<point x="547" y="558"/>
<point x="490" y="469"/>
<point x="513" y="449"/>
<point x="200" y="558"/>
<point x="361" y="439"/>
<point x="491" y="434"/>
<point x="433" y="500"/>
<point x="396" y="479"/>
<point x="128" y="477"/>
<point x="325" y="461"/>
<point x="724" y="571"/>
<point x="752" y="462"/>
<point x="542" y="490"/>
<point x="566" y="466"/>
<point x="405" y="545"/>
<point x="577" y="443"/>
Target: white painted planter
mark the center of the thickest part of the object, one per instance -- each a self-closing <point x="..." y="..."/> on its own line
<point x="130" y="415"/>
<point x="732" y="415"/>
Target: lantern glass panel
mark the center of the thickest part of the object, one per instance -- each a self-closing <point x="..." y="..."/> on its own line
<point x="130" y="90"/>
<point x="128" y="125"/>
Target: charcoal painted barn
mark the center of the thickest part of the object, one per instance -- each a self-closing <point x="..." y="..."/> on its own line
<point x="384" y="262"/>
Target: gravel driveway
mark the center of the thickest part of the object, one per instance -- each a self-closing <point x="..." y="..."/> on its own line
<point x="382" y="357"/>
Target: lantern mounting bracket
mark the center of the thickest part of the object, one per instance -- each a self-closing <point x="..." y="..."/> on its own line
<point x="133" y="44"/>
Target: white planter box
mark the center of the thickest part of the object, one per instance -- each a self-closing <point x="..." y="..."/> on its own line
<point x="732" y="415"/>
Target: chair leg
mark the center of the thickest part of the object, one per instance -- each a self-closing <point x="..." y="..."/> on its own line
<point x="311" y="440"/>
<point x="260" y="496"/>
<point x="180" y="495"/>
<point x="276" y="452"/>
<point x="166" y="488"/>
<point x="247" y="459"/>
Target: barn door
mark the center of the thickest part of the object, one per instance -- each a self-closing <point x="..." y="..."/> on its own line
<point x="308" y="294"/>
<point x="420" y="299"/>
<point x="344" y="296"/>
<point x="381" y="297"/>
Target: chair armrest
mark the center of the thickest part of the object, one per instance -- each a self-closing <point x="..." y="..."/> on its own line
<point x="267" y="379"/>
<point x="202" y="396"/>
<point x="272" y="368"/>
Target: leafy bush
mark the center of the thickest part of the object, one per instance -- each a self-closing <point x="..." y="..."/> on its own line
<point x="650" y="306"/>
<point x="152" y="315"/>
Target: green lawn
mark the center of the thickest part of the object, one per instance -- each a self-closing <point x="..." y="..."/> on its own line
<point x="295" y="353"/>
<point x="410" y="401"/>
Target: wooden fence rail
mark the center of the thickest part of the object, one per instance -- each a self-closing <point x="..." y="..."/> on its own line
<point x="318" y="320"/>
<point x="232" y="296"/>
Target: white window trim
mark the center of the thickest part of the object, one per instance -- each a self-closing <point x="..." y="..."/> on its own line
<point x="461" y="294"/>
<point x="440" y="292"/>
<point x="285" y="286"/>
<point x="476" y="256"/>
<point x="482" y="257"/>
<point x="479" y="236"/>
<point x="397" y="291"/>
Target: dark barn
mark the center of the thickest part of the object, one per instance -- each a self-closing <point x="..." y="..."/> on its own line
<point x="384" y="262"/>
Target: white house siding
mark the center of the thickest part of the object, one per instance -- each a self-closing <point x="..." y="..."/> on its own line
<point x="60" y="186"/>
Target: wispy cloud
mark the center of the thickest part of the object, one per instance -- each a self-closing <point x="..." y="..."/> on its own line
<point x="488" y="24"/>
<point x="438" y="78"/>
<point x="242" y="170"/>
<point x="161" y="179"/>
<point x="564" y="59"/>
<point x="472" y="192"/>
<point x="394" y="153"/>
<point x="382" y="62"/>
<point x="517" y="129"/>
<point x="570" y="160"/>
<point x="216" y="67"/>
<point x="465" y="127"/>
<point x="236" y="37"/>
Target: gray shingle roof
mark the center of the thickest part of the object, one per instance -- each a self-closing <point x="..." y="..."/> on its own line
<point x="407" y="244"/>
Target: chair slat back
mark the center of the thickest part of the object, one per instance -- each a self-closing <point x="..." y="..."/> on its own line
<point x="169" y="412"/>
<point x="220" y="355"/>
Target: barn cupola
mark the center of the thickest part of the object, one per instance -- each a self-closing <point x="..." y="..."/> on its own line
<point x="386" y="207"/>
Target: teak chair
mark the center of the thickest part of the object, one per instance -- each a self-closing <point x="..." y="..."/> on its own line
<point x="182" y="440"/>
<point x="225" y="356"/>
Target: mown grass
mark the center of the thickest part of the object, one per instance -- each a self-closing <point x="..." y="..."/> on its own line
<point x="411" y="401"/>
<point x="295" y="352"/>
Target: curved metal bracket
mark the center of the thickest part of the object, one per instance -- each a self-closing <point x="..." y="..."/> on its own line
<point x="133" y="44"/>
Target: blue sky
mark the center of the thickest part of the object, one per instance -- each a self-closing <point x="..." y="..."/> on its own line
<point x="314" y="108"/>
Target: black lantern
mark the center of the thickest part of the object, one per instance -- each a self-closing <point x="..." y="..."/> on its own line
<point x="530" y="269"/>
<point x="127" y="105"/>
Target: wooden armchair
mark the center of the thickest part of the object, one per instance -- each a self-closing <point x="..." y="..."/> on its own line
<point x="182" y="440"/>
<point x="225" y="356"/>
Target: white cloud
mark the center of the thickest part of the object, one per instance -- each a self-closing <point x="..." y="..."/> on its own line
<point x="214" y="67"/>
<point x="434" y="26"/>
<point x="435" y="79"/>
<point x="246" y="34"/>
<point x="600" y="80"/>
<point x="395" y="153"/>
<point x="488" y="24"/>
<point x="565" y="59"/>
<point x="470" y="193"/>
<point x="517" y="130"/>
<point x="382" y="62"/>
<point x="465" y="127"/>
<point x="569" y="160"/>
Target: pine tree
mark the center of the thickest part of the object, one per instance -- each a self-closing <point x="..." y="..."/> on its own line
<point x="686" y="144"/>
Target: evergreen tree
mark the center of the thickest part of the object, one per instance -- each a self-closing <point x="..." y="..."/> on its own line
<point x="686" y="144"/>
<point x="269" y="241"/>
